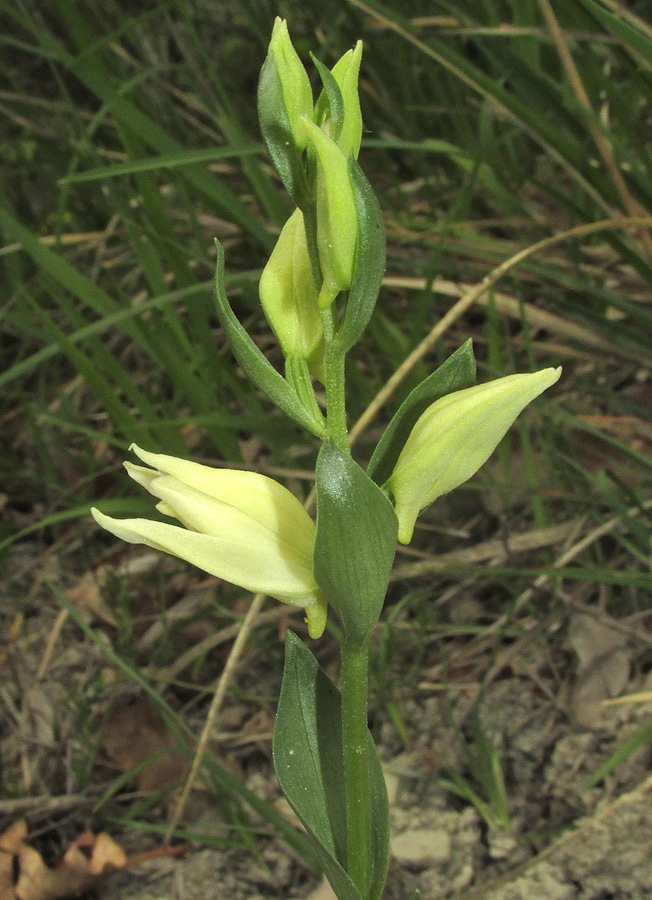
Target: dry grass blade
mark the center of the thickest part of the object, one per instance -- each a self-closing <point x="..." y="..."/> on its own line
<point x="488" y="96"/>
<point x="213" y="711"/>
<point x="497" y="550"/>
<point x="514" y="309"/>
<point x="222" y="636"/>
<point x="471" y="297"/>
<point x="604" y="147"/>
<point x="594" y="535"/>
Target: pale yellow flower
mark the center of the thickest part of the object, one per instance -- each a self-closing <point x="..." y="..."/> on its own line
<point x="239" y="526"/>
<point x="288" y="294"/>
<point x="454" y="437"/>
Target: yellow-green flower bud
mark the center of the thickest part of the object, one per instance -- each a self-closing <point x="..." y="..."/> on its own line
<point x="454" y="437"/>
<point x="337" y="219"/>
<point x="288" y="293"/>
<point x="239" y="526"/>
<point x="297" y="93"/>
<point x="346" y="71"/>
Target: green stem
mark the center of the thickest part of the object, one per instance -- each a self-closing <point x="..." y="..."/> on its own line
<point x="334" y="360"/>
<point x="310" y="225"/>
<point x="355" y="743"/>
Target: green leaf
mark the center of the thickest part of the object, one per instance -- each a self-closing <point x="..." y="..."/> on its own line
<point x="369" y="265"/>
<point x="458" y="785"/>
<point x="488" y="770"/>
<point x="164" y="161"/>
<point x="277" y="133"/>
<point x="456" y="374"/>
<point x="330" y="104"/>
<point x="307" y="748"/>
<point x="354" y="544"/>
<point x="633" y="39"/>
<point x="640" y="737"/>
<point x="255" y="364"/>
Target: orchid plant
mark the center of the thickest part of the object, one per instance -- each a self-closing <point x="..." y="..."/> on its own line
<point x="318" y="292"/>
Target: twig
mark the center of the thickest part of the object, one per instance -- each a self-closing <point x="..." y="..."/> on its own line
<point x="53" y="637"/>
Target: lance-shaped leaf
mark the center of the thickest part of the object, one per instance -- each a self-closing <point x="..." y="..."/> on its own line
<point x="369" y="264"/>
<point x="339" y="114"/>
<point x="256" y="365"/>
<point x="457" y="373"/>
<point x="308" y="759"/>
<point x="329" y="109"/>
<point x="354" y="544"/>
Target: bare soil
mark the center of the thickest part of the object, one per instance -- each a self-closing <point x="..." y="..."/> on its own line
<point x="543" y="699"/>
<point x="563" y="842"/>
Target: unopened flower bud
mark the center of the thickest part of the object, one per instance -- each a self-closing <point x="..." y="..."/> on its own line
<point x="454" y="437"/>
<point x="346" y="71"/>
<point x="288" y="293"/>
<point x="337" y="219"/>
<point x="297" y="93"/>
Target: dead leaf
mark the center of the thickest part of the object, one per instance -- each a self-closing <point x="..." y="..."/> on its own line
<point x="603" y="667"/>
<point x="10" y="843"/>
<point x="133" y="733"/>
<point x="86" y="597"/>
<point x="606" y="678"/>
<point x="88" y="594"/>
<point x="592" y="638"/>
<point x="25" y="876"/>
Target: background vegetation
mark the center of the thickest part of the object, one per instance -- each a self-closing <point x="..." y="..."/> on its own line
<point x="128" y="141"/>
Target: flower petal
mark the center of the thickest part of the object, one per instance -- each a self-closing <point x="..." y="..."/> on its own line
<point x="260" y="497"/>
<point x="140" y="474"/>
<point x="316" y="614"/>
<point x="250" y="563"/>
<point x="200" y="512"/>
<point x="337" y="216"/>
